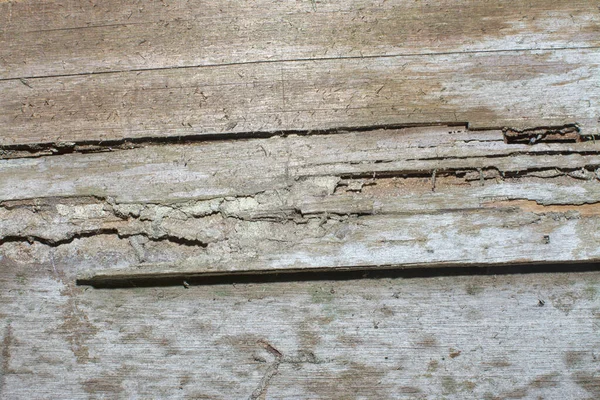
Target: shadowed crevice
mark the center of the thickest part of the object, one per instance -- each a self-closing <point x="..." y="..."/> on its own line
<point x="379" y="272"/>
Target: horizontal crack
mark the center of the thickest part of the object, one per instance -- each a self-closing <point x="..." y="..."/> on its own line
<point x="537" y="134"/>
<point x="339" y="273"/>
<point x="461" y="172"/>
<point x="545" y="152"/>
<point x="307" y="59"/>
<point x="55" y="243"/>
<point x="98" y="146"/>
<point x="98" y="232"/>
<point x="87" y="216"/>
<point x="569" y="133"/>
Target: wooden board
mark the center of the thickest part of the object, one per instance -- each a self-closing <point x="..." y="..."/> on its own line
<point x="486" y="90"/>
<point x="73" y="71"/>
<point x="70" y="37"/>
<point x="329" y="172"/>
<point x="414" y="197"/>
<point x="461" y="337"/>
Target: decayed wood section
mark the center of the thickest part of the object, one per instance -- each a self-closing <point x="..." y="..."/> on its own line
<point x="248" y="144"/>
<point x="480" y="337"/>
<point x="435" y="196"/>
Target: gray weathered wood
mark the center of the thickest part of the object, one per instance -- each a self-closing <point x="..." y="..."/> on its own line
<point x="75" y="71"/>
<point x="206" y="170"/>
<point x="44" y="38"/>
<point x="480" y="337"/>
<point x="487" y="90"/>
<point x="130" y="148"/>
<point x="433" y="196"/>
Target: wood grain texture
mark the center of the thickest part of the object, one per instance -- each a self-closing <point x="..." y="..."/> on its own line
<point x="512" y="89"/>
<point x="153" y="142"/>
<point x="479" y="337"/>
<point x="80" y="71"/>
<point x="69" y="37"/>
<point x="414" y="197"/>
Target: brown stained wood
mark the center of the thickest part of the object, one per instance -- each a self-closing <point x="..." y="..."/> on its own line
<point x="458" y="337"/>
<point x="68" y="37"/>
<point x="486" y="90"/>
<point x="414" y="197"/>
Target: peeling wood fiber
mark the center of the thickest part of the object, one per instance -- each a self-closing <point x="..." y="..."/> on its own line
<point x="284" y="154"/>
<point x="412" y="197"/>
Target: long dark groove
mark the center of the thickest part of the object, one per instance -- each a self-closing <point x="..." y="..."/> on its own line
<point x="95" y="146"/>
<point x="118" y="144"/>
<point x="338" y="275"/>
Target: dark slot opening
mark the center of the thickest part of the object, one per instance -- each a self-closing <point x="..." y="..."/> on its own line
<point x="336" y="275"/>
<point x="560" y="134"/>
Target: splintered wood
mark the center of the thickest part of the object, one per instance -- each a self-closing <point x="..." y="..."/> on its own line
<point x="436" y="196"/>
<point x="283" y="153"/>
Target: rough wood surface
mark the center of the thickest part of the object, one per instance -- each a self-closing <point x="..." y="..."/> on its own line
<point x="160" y="142"/>
<point x="69" y="37"/>
<point x="479" y="337"/>
<point x="74" y="71"/>
<point x="410" y="197"/>
<point x="487" y="90"/>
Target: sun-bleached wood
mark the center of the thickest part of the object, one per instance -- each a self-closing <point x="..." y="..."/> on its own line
<point x="70" y="37"/>
<point x="462" y="337"/>
<point x="486" y="90"/>
<point x="414" y="197"/>
<point x="165" y="142"/>
<point x="75" y="71"/>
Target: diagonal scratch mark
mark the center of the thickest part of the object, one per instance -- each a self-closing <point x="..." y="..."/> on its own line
<point x="272" y="370"/>
<point x="261" y="390"/>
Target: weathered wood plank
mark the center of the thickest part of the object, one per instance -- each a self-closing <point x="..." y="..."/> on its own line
<point x="82" y="78"/>
<point x="208" y="170"/>
<point x="515" y="89"/>
<point x="414" y="197"/>
<point x="44" y="38"/>
<point x="480" y="337"/>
